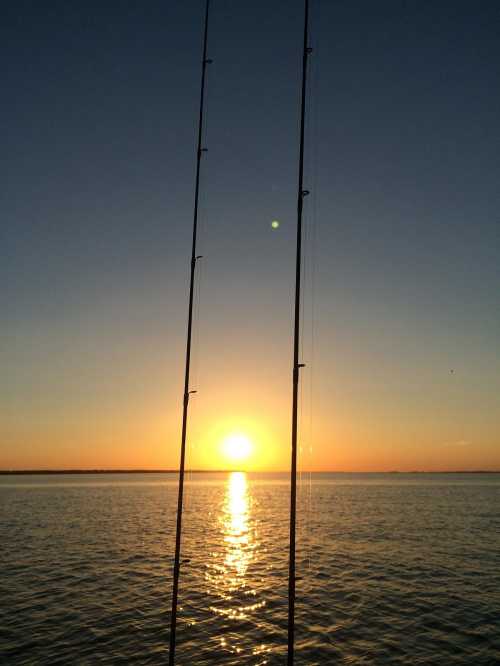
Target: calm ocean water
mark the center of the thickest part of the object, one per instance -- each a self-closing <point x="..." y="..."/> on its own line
<point x="395" y="569"/>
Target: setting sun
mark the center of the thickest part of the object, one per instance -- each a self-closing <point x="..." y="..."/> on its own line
<point x="237" y="446"/>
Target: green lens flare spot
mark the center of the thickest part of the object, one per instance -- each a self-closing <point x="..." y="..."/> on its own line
<point x="275" y="224"/>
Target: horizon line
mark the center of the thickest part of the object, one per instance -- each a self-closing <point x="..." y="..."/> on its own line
<point x="7" y="472"/>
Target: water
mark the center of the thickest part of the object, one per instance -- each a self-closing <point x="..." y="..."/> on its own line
<point x="395" y="569"/>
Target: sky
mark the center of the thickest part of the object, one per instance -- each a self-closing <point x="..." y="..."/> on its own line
<point x="401" y="317"/>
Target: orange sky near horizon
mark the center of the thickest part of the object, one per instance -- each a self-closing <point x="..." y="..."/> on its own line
<point x="340" y="439"/>
<point x="103" y="408"/>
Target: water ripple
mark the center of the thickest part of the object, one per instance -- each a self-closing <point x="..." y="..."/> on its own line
<point x="390" y="572"/>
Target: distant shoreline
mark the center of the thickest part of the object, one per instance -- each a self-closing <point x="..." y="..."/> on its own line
<point x="217" y="471"/>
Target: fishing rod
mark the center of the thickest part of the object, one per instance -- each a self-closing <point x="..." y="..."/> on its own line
<point x="301" y="194"/>
<point x="194" y="258"/>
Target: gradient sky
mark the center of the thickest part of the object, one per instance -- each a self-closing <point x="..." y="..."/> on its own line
<point x="402" y="259"/>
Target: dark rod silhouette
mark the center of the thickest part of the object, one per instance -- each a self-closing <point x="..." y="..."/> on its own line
<point x="194" y="258"/>
<point x="301" y="193"/>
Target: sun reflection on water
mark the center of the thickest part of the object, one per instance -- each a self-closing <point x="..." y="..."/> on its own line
<point x="233" y="585"/>
<point x="237" y="536"/>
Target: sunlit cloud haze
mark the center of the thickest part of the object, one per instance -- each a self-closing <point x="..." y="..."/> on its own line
<point x="401" y="321"/>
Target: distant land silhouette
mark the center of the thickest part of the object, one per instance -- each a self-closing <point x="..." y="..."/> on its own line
<point x="13" y="472"/>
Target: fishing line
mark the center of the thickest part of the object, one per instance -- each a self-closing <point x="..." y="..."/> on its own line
<point x="315" y="87"/>
<point x="303" y="396"/>
<point x="307" y="316"/>
<point x="297" y="364"/>
<point x="194" y="444"/>
<point x="200" y="150"/>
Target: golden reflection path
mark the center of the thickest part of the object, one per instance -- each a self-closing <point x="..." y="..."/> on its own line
<point x="228" y="573"/>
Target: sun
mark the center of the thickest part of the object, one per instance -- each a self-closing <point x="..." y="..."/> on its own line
<point x="237" y="446"/>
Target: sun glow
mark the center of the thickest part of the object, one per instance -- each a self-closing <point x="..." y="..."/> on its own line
<point x="237" y="446"/>
<point x="238" y="443"/>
